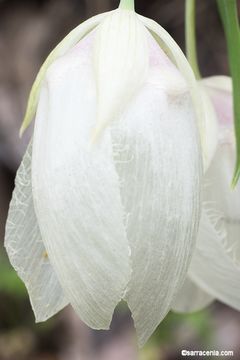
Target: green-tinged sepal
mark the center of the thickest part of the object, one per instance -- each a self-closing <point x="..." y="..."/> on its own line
<point x="126" y="5"/>
<point x="67" y="43"/>
<point x="121" y="63"/>
<point x="229" y="14"/>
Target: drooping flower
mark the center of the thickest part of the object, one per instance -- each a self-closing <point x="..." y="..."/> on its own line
<point x="107" y="198"/>
<point x="214" y="272"/>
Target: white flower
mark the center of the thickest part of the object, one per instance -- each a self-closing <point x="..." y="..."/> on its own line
<point x="107" y="199"/>
<point x="214" y="272"/>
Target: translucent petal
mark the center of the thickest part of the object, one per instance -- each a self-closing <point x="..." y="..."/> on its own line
<point x="76" y="191"/>
<point x="219" y="89"/>
<point x="26" y="250"/>
<point x="159" y="166"/>
<point x="215" y="266"/>
<point x="216" y="262"/>
<point x="176" y="55"/>
<point x="219" y="191"/>
<point x="219" y="83"/>
<point x="67" y="43"/>
<point x="219" y="271"/>
<point x="191" y="298"/>
<point x="211" y="127"/>
<point x="121" y="64"/>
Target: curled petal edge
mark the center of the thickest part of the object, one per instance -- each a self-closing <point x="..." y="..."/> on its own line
<point x="219" y="82"/>
<point x="174" y="52"/>
<point x="67" y="43"/>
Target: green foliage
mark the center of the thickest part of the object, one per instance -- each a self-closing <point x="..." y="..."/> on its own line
<point x="229" y="14"/>
<point x="190" y="36"/>
<point x="198" y="321"/>
<point x="9" y="281"/>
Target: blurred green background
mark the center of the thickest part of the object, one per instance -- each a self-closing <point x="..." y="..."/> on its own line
<point x="29" y="29"/>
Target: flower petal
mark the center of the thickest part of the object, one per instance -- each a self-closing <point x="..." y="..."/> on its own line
<point x="218" y="191"/>
<point x="76" y="191"/>
<point x="26" y="250"/>
<point x="219" y="89"/>
<point x="191" y="298"/>
<point x="176" y="55"/>
<point x="67" y="43"/>
<point x="121" y="64"/>
<point x="219" y="83"/>
<point x="159" y="166"/>
<point x="216" y="264"/>
<point x="211" y="127"/>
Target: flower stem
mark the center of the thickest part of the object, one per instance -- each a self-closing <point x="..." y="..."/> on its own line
<point x="229" y="15"/>
<point x="127" y="5"/>
<point x="190" y="36"/>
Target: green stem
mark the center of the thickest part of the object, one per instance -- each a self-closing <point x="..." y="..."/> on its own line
<point x="229" y="14"/>
<point x="190" y="34"/>
<point x="127" y="5"/>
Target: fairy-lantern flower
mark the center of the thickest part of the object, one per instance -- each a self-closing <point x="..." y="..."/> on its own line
<point x="107" y="198"/>
<point x="214" y="271"/>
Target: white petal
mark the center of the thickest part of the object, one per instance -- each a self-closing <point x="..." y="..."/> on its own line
<point x="216" y="262"/>
<point x="26" y="250"/>
<point x="191" y="298"/>
<point x="76" y="191"/>
<point x="178" y="58"/>
<point x="216" y="265"/>
<point x="219" y="83"/>
<point x="159" y="165"/>
<point x="121" y="63"/>
<point x="65" y="45"/>
<point x="211" y="127"/>
<point x="219" y="89"/>
<point x="219" y="194"/>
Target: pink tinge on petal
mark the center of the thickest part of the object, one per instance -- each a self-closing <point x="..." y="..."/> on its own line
<point x="157" y="56"/>
<point x="84" y="47"/>
<point x="223" y="104"/>
<point x="161" y="65"/>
